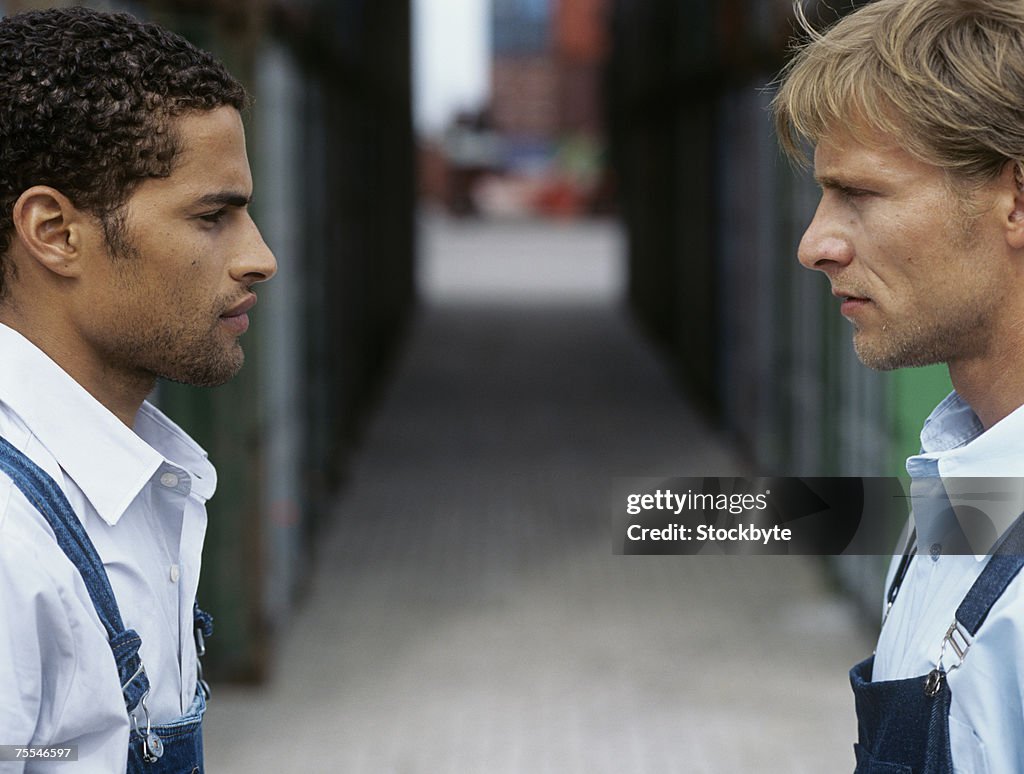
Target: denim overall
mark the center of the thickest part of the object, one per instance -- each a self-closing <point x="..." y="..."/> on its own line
<point x="903" y="725"/>
<point x="174" y="748"/>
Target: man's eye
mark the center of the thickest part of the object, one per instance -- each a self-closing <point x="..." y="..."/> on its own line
<point x="213" y="217"/>
<point x="854" y="193"/>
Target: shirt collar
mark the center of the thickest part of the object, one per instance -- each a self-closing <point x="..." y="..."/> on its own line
<point x="109" y="462"/>
<point x="982" y="473"/>
<point x="951" y="425"/>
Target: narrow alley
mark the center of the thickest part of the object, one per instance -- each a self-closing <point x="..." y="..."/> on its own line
<point x="466" y="613"/>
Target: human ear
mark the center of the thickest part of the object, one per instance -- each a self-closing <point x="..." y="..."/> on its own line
<point x="1013" y="183"/>
<point x="47" y="225"/>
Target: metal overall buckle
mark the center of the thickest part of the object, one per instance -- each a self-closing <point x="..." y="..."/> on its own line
<point x="152" y="745"/>
<point x="959" y="641"/>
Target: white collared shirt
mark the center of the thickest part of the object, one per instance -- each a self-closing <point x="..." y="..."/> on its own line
<point x="141" y="497"/>
<point x="986" y="721"/>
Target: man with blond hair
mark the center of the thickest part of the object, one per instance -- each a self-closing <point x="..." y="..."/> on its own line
<point x="915" y="109"/>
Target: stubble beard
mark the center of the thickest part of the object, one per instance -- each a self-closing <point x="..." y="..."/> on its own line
<point x="197" y="360"/>
<point x="914" y="343"/>
<point x="193" y="350"/>
<point x="185" y="353"/>
<point x="959" y="328"/>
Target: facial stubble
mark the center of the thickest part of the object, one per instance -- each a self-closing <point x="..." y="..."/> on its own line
<point x="937" y="333"/>
<point x="188" y="345"/>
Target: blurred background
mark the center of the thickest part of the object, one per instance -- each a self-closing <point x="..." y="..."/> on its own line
<point x="525" y="247"/>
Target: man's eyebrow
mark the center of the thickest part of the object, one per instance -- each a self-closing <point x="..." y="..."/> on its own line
<point x="827" y="181"/>
<point x="221" y="198"/>
<point x="852" y="181"/>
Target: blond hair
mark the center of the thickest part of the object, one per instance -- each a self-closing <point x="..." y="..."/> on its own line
<point x="944" y="78"/>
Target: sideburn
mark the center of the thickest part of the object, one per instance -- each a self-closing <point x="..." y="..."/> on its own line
<point x="120" y="244"/>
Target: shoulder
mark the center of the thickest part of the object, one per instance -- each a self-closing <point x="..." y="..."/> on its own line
<point x="37" y="581"/>
<point x="35" y="593"/>
<point x="15" y="431"/>
<point x="38" y="650"/>
<point x="32" y="564"/>
<point x="39" y="586"/>
<point x="54" y="654"/>
<point x="20" y="521"/>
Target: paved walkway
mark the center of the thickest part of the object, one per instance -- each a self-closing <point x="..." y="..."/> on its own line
<point x="467" y="615"/>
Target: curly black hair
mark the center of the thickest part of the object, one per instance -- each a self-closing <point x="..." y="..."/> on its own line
<point x="86" y="106"/>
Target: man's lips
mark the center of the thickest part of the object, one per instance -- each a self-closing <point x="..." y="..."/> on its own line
<point x="236" y="318"/>
<point x="241" y="307"/>
<point x="851" y="303"/>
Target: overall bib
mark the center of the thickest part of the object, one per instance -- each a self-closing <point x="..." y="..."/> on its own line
<point x="173" y="748"/>
<point x="903" y="725"/>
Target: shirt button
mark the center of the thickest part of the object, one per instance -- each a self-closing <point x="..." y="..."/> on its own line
<point x="175" y="573"/>
<point x="169" y="480"/>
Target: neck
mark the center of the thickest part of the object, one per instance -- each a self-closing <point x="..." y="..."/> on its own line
<point x="992" y="387"/>
<point x="120" y="392"/>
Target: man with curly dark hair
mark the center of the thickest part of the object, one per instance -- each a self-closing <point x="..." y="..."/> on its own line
<point x="127" y="253"/>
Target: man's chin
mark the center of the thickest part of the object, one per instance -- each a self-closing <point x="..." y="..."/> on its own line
<point x="208" y="373"/>
<point x="890" y="355"/>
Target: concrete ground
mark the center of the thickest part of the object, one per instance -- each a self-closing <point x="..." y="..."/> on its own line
<point x="467" y="614"/>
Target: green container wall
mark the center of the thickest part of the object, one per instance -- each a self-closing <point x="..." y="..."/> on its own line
<point x="914" y="392"/>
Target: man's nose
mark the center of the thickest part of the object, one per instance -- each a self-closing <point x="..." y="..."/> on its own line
<point x="256" y="262"/>
<point x="824" y="246"/>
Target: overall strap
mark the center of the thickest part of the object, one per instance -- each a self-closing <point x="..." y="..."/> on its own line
<point x="202" y="623"/>
<point x="1007" y="560"/>
<point x="909" y="551"/>
<point x="43" y="492"/>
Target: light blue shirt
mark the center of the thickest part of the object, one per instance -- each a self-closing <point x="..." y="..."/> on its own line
<point x="986" y="722"/>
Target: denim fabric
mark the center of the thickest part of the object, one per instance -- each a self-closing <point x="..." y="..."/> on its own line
<point x="900" y="729"/>
<point x="182" y="740"/>
<point x="182" y="744"/>
<point x="1003" y="567"/>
